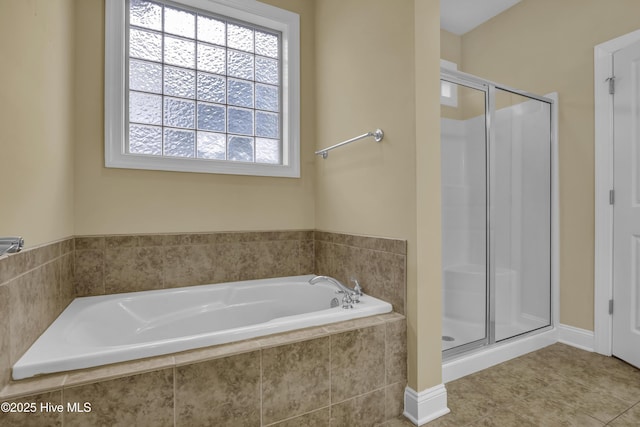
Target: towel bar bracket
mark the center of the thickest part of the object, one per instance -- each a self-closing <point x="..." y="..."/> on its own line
<point x="378" y="135"/>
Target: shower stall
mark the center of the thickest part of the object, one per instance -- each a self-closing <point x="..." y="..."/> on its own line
<point x="497" y="191"/>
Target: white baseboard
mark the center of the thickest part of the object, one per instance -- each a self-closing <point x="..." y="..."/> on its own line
<point x="427" y="405"/>
<point x="576" y="337"/>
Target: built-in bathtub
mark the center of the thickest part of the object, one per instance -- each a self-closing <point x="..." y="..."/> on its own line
<point x="94" y="331"/>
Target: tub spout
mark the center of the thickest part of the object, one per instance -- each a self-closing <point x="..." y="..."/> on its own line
<point x="11" y="245"/>
<point x="336" y="282"/>
<point x="347" y="300"/>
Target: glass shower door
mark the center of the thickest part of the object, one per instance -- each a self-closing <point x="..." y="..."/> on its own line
<point x="496" y="149"/>
<point x="464" y="216"/>
<point x="520" y="159"/>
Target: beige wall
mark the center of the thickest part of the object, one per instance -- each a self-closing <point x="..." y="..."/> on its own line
<point x="36" y="116"/>
<point x="451" y="47"/>
<point x="366" y="79"/>
<point x="544" y="46"/>
<point x="136" y="201"/>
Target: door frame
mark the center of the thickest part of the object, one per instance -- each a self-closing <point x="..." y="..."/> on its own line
<point x="603" y="251"/>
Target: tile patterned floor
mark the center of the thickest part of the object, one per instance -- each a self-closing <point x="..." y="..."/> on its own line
<point x="557" y="386"/>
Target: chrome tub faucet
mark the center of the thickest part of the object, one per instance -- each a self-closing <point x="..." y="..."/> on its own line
<point x="11" y="245"/>
<point x="351" y="296"/>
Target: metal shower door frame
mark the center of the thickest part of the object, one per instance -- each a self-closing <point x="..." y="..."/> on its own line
<point x="489" y="88"/>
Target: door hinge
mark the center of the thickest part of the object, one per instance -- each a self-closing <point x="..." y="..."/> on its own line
<point x="610" y="306"/>
<point x="612" y="197"/>
<point x="612" y="84"/>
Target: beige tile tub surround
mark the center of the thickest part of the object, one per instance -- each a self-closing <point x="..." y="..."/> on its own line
<point x="37" y="418"/>
<point x="329" y="371"/>
<point x="379" y="264"/>
<point x="113" y="264"/>
<point x="284" y="366"/>
<point x="138" y="400"/>
<point x="35" y="286"/>
<point x="290" y="379"/>
<point x="219" y="392"/>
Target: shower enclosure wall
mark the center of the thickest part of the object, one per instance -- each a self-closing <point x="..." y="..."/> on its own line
<point x="496" y="209"/>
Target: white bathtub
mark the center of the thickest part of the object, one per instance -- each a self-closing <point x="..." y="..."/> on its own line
<point x="95" y="331"/>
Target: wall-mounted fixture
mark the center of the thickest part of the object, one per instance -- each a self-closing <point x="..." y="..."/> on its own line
<point x="378" y="134"/>
<point x="11" y="245"/>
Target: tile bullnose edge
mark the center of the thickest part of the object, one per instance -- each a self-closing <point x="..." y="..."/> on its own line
<point x="426" y="405"/>
<point x="118" y="370"/>
<point x="205" y="354"/>
<point x="392" y="316"/>
<point x="30" y="387"/>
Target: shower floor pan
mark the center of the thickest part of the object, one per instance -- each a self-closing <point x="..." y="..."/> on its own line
<point x="466" y="332"/>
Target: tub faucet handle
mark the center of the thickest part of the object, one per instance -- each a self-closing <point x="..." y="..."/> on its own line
<point x="347" y="301"/>
<point x="357" y="290"/>
<point x="356" y="286"/>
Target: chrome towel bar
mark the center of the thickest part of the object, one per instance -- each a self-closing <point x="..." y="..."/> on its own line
<point x="378" y="134"/>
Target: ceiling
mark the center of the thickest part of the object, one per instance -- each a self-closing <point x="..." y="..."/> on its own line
<point x="461" y="16"/>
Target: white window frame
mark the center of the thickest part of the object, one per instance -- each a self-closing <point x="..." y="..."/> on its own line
<point x="286" y="22"/>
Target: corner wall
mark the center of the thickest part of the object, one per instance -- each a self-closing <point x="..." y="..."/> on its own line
<point x="366" y="79"/>
<point x="543" y="46"/>
<point x="425" y="306"/>
<point x="36" y="119"/>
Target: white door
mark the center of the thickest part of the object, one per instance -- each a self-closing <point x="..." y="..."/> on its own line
<point x="626" y="209"/>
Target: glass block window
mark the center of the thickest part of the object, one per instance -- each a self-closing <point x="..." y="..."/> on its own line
<point x="210" y="86"/>
<point x="202" y="86"/>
